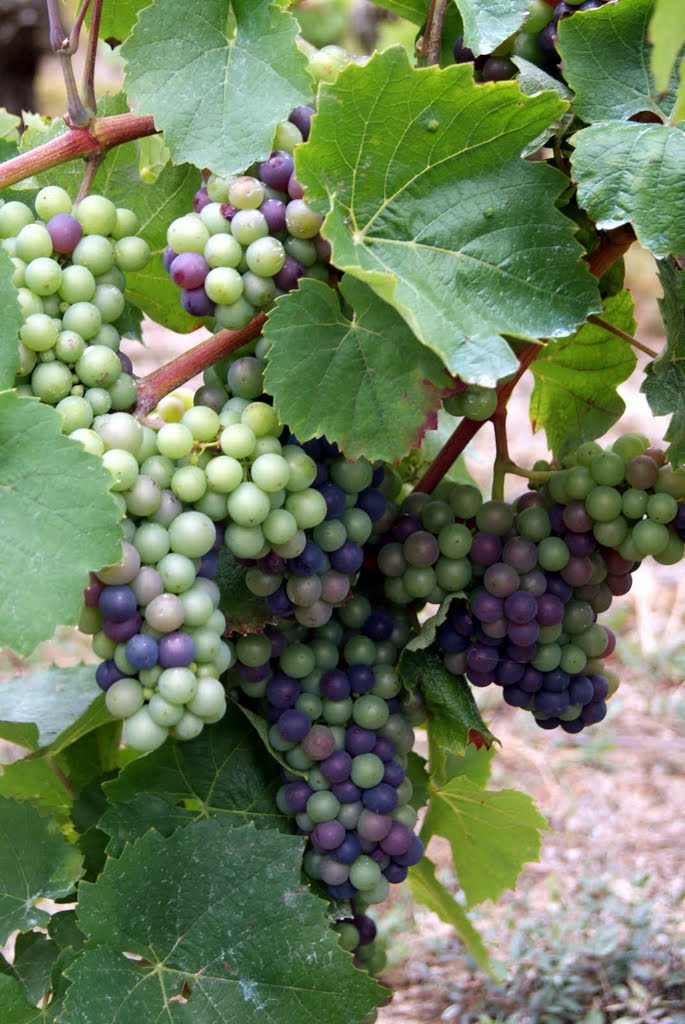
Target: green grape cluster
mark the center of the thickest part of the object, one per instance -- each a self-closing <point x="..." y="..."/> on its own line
<point x="70" y="261"/>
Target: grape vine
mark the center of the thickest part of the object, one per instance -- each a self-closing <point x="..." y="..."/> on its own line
<point x="273" y="541"/>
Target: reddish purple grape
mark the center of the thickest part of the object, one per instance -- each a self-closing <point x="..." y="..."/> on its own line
<point x="142" y="651"/>
<point x="65" y="232"/>
<point x="196" y="302"/>
<point x="286" y="279"/>
<point x="176" y="650"/>
<point x="277" y="171"/>
<point x="301" y="117"/>
<point x="189" y="270"/>
<point x="273" y="211"/>
<point x="201" y="199"/>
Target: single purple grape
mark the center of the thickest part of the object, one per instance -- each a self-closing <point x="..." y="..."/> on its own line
<point x="359" y="741"/>
<point x="373" y="502"/>
<point x="91" y="595"/>
<point x="106" y="674"/>
<point x="346" y="792"/>
<point x="581" y="690"/>
<point x="486" y="549"/>
<point x="552" y="703"/>
<point x="413" y="854"/>
<point x="176" y="650"/>
<point x="600" y="687"/>
<point x="189" y="270"/>
<point x="362" y="678"/>
<point x="142" y="651"/>
<point x="168" y="257"/>
<point x="209" y="565"/>
<point x="277" y="170"/>
<point x="555" y="681"/>
<point x="394" y="774"/>
<point x="335" y="498"/>
<point x="515" y="697"/>
<point x="532" y="680"/>
<point x="296" y="795"/>
<point x="282" y="691"/>
<point x="328" y="835"/>
<point x="279" y="603"/>
<point x="294" y="725"/>
<point x="65" y="232"/>
<point x="594" y="712"/>
<point x="309" y="562"/>
<point x="396" y="873"/>
<point x="295" y="190"/>
<point x="301" y="117"/>
<point x="524" y="634"/>
<point x="197" y="302"/>
<point x="347" y="558"/>
<point x="117" y="603"/>
<point x="481" y="659"/>
<point x="286" y="279"/>
<point x="382" y="799"/>
<point x="336" y="767"/>
<point x="550" y="610"/>
<point x="508" y="672"/>
<point x="349" y="849"/>
<point x="345" y="891"/>
<point x="335" y="685"/>
<point x="120" y="632"/>
<point x="385" y="749"/>
<point x="201" y="199"/>
<point x="253" y="673"/>
<point x="520" y="607"/>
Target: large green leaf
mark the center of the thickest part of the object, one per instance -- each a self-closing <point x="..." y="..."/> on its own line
<point x="429" y="202"/>
<point x="58" y="521"/>
<point x="606" y="61"/>
<point x="16" y="1009"/>
<point x="220" y="918"/>
<point x="370" y="385"/>
<point x="11" y="322"/>
<point x="487" y="23"/>
<point x="427" y="890"/>
<point x="34" y="957"/>
<point x="492" y="833"/>
<point x="634" y="172"/>
<point x="575" y="398"/>
<point x="118" y="18"/>
<point x="664" y="383"/>
<point x="667" y="35"/>
<point x="35" y="863"/>
<point x="225" y="772"/>
<point x="36" y="709"/>
<point x="216" y="80"/>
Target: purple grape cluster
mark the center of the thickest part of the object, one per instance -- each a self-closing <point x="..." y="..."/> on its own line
<point x="250" y="238"/>
<point x="332" y="698"/>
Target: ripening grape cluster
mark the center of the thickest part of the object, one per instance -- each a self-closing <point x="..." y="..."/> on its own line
<point x="333" y="700"/>
<point x="536" y="574"/>
<point x="69" y="264"/>
<point x="536" y="42"/>
<point x="154" y="616"/>
<point x="251" y="237"/>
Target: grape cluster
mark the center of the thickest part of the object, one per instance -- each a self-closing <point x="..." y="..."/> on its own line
<point x="358" y="935"/>
<point x="297" y="515"/>
<point x="536" y="42"/>
<point x="69" y="263"/>
<point x="537" y="573"/>
<point x="154" y="615"/>
<point x="250" y="239"/>
<point x="332" y="697"/>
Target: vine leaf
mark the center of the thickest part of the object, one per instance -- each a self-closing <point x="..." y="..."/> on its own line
<point x="487" y="23"/>
<point x="35" y="863"/>
<point x="625" y="171"/>
<point x="117" y="20"/>
<point x="431" y="893"/>
<point x="574" y="398"/>
<point x="454" y="720"/>
<point x="450" y="244"/>
<point x="217" y="81"/>
<point x="492" y="833"/>
<point x="222" y="773"/>
<point x="34" y="957"/>
<point x="664" y="383"/>
<point x="15" y="1007"/>
<point x="37" y="710"/>
<point x="11" y="322"/>
<point x="667" y="35"/>
<point x="244" y="612"/>
<point x="221" y="921"/>
<point x="370" y="385"/>
<point x="59" y="521"/>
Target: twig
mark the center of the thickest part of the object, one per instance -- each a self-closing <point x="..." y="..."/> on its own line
<point x="468" y="429"/>
<point x="177" y="371"/>
<point x="502" y="459"/>
<point x="622" y="334"/>
<point x="432" y="37"/>
<point x="90" y="172"/>
<point x="88" y="82"/>
<point x="613" y="245"/>
<point x="75" y="142"/>
<point x="61" y="44"/>
<point x="61" y="777"/>
<point x="75" y="34"/>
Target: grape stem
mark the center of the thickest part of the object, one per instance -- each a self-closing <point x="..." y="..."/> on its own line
<point x="178" y="371"/>
<point x="428" y="48"/>
<point x="60" y="41"/>
<point x="90" y="172"/>
<point x="623" y="334"/>
<point x="502" y="458"/>
<point x="75" y="33"/>
<point x="612" y="246"/>
<point x="88" y="83"/>
<point x="61" y="777"/>
<point x="468" y="429"/>
<point x="96" y="137"/>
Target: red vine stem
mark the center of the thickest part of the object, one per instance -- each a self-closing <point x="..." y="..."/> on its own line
<point x="75" y="142"/>
<point x="468" y="429"/>
<point x="177" y="371"/>
<point x="429" y="50"/>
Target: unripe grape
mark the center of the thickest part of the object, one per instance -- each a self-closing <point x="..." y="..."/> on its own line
<point x="142" y="733"/>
